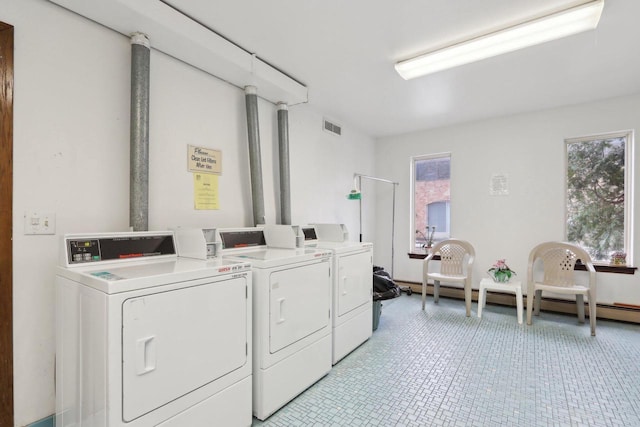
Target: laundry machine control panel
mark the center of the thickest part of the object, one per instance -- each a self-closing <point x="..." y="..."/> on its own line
<point x="242" y="238"/>
<point x="89" y="249"/>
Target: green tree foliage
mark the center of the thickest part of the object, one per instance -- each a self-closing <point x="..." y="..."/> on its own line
<point x="595" y="195"/>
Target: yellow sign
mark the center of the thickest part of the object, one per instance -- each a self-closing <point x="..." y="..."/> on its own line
<point x="205" y="191"/>
<point x="204" y="160"/>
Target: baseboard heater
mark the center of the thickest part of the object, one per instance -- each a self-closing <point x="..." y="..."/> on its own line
<point x="618" y="311"/>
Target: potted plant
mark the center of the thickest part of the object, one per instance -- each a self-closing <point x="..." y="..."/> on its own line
<point x="500" y="272"/>
<point x="428" y="238"/>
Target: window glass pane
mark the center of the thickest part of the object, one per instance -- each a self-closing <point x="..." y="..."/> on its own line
<point x="432" y="169"/>
<point x="431" y="198"/>
<point x="596" y="195"/>
<point x="437" y="216"/>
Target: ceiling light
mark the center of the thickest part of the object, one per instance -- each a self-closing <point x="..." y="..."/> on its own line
<point x="560" y="24"/>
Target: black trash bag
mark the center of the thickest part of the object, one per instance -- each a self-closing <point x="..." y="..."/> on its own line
<point x="380" y="271"/>
<point x="383" y="286"/>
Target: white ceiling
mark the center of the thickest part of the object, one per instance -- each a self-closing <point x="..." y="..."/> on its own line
<point x="344" y="52"/>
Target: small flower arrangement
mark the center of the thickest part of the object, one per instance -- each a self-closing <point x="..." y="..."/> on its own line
<point x="500" y="272"/>
<point x="618" y="258"/>
<point x="428" y="238"/>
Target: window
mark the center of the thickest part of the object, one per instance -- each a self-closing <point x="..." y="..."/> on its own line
<point x="438" y="215"/>
<point x="598" y="189"/>
<point x="431" y="195"/>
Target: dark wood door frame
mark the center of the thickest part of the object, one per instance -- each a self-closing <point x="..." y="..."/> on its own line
<point x="6" y="206"/>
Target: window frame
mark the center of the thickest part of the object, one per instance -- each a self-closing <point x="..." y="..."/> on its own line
<point x="412" y="193"/>
<point x="628" y="135"/>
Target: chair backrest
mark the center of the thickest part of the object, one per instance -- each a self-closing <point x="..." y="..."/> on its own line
<point x="558" y="262"/>
<point x="452" y="255"/>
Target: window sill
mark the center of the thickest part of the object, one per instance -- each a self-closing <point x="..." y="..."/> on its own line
<point x="600" y="268"/>
<point x="422" y="255"/>
<point x="606" y="268"/>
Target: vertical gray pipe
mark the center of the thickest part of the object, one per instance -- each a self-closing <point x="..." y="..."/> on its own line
<point x="255" y="166"/>
<point x="139" y="134"/>
<point x="285" y="175"/>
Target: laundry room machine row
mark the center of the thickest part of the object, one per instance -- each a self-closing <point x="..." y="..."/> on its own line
<point x="291" y="305"/>
<point x="144" y="338"/>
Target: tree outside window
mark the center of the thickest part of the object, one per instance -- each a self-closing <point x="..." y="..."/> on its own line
<point x="597" y="189"/>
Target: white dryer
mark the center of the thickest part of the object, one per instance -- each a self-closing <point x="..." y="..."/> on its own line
<point x="292" y="305"/>
<point x="144" y="338"/>
<point x="352" y="308"/>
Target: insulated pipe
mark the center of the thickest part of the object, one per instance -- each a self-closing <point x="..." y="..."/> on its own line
<point x="285" y="175"/>
<point x="139" y="134"/>
<point x="257" y="194"/>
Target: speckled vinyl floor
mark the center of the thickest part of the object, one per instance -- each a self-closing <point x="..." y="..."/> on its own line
<point x="440" y="368"/>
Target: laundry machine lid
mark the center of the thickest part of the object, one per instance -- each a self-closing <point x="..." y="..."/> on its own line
<point x="113" y="278"/>
<point x="353" y="281"/>
<point x="299" y="301"/>
<point x="274" y="257"/>
<point x="180" y="340"/>
<point x="344" y="247"/>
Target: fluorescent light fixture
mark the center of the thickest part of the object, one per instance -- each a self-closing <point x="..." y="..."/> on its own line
<point x="560" y="24"/>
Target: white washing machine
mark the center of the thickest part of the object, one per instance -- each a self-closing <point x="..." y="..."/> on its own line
<point x="352" y="309"/>
<point x="292" y="311"/>
<point x="144" y="338"/>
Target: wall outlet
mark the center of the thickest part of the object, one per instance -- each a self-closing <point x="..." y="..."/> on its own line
<point x="39" y="222"/>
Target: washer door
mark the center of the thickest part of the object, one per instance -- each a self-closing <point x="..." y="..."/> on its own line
<point x="299" y="303"/>
<point x="355" y="281"/>
<point x="176" y="341"/>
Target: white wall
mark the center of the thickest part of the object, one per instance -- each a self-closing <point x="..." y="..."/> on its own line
<point x="321" y="164"/>
<point x="322" y="169"/>
<point x="71" y="156"/>
<point x="530" y="149"/>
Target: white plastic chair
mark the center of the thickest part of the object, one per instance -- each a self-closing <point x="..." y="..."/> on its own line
<point x="456" y="261"/>
<point x="558" y="260"/>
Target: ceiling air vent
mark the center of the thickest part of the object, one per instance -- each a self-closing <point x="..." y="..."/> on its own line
<point x="332" y="127"/>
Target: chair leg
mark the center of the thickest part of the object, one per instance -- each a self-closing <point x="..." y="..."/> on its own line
<point x="529" y="306"/>
<point x="482" y="295"/>
<point x="592" y="313"/>
<point x="467" y="298"/>
<point x="536" y="302"/>
<point x="580" y="307"/>
<point x="424" y="292"/>
<point x="519" y="304"/>
<point x="436" y="291"/>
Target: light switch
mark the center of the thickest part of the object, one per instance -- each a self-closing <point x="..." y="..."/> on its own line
<point x="39" y="222"/>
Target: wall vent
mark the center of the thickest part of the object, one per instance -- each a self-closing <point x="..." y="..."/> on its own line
<point x="332" y="127"/>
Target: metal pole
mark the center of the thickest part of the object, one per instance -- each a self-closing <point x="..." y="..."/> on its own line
<point x="255" y="165"/>
<point x="393" y="209"/>
<point x="285" y="175"/>
<point x="139" y="134"/>
<point x="360" y="202"/>
<point x="393" y="225"/>
<point x="375" y="178"/>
